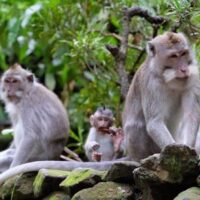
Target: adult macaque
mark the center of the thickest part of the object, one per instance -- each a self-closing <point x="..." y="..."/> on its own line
<point x="161" y="107"/>
<point x="104" y="142"/>
<point x="38" y="118"/>
<point x="162" y="104"/>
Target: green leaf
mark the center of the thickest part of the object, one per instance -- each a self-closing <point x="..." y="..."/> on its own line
<point x="50" y="81"/>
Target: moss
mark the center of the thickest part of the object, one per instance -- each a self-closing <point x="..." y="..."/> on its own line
<point x="79" y="175"/>
<point x="105" y="191"/>
<point x="7" y="188"/>
<point x="47" y="179"/>
<point x="57" y="196"/>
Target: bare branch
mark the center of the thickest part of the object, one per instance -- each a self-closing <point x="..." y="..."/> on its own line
<point x="121" y="52"/>
<point x="137" y="11"/>
<point x="113" y="50"/>
<point x="66" y="158"/>
<point x="72" y="154"/>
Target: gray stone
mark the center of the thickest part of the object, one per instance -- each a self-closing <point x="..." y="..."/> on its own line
<point x="47" y="181"/>
<point x="189" y="194"/>
<point x="163" y="176"/>
<point x="81" y="178"/>
<point x="106" y="191"/>
<point x="121" y="172"/>
<point x="57" y="196"/>
<point x="18" y="188"/>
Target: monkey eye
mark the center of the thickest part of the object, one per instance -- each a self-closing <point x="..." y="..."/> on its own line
<point x="189" y="62"/>
<point x="184" y="53"/>
<point x="100" y="118"/>
<point x="173" y="56"/>
<point x="15" y="81"/>
<point x="7" y="80"/>
<point x="168" y="67"/>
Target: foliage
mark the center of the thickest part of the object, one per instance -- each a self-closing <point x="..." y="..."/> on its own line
<point x="63" y="42"/>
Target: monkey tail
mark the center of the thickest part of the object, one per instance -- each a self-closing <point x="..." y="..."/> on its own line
<point x="60" y="165"/>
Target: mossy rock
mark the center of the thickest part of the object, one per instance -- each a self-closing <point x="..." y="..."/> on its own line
<point x="7" y="188"/>
<point x="106" y="191"/>
<point x="121" y="172"/>
<point x="81" y="178"/>
<point x="80" y="175"/>
<point x="19" y="187"/>
<point x="57" y="196"/>
<point x="192" y="193"/>
<point x="48" y="180"/>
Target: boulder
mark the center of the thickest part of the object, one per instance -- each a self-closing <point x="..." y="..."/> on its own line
<point x="57" y="196"/>
<point x="19" y="187"/>
<point x="121" y="172"/>
<point x="192" y="193"/>
<point x="48" y="180"/>
<point x="162" y="176"/>
<point x="81" y="178"/>
<point x="106" y="191"/>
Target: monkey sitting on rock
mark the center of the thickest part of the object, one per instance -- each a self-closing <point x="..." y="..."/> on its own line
<point x="162" y="105"/>
<point x="104" y="142"/>
<point x="38" y="118"/>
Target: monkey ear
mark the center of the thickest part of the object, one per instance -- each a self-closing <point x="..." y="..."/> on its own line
<point x="30" y="78"/>
<point x="151" y="49"/>
<point x="92" y="120"/>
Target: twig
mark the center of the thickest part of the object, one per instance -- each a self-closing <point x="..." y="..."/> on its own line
<point x="73" y="154"/>
<point x="121" y="57"/>
<point x="66" y="158"/>
<point x="137" y="11"/>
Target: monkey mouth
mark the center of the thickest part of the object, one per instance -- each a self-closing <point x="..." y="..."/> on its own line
<point x="12" y="98"/>
<point x="184" y="78"/>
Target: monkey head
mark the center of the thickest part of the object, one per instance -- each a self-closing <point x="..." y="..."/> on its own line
<point x="15" y="82"/>
<point x="171" y="58"/>
<point x="102" y="119"/>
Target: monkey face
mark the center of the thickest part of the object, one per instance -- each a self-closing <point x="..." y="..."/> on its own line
<point x="101" y="122"/>
<point x="173" y="59"/>
<point x="12" y="87"/>
<point x="104" y="122"/>
<point x="15" y="82"/>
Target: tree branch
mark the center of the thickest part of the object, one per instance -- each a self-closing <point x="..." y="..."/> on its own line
<point x="121" y="52"/>
<point x="137" y="11"/>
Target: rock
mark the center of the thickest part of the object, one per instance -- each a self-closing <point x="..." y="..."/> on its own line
<point x="57" y="196"/>
<point x="121" y="172"/>
<point x="198" y="180"/>
<point x="106" y="191"/>
<point x="47" y="181"/>
<point x="19" y="187"/>
<point x="6" y="188"/>
<point x="81" y="178"/>
<point x="163" y="176"/>
<point x="192" y="193"/>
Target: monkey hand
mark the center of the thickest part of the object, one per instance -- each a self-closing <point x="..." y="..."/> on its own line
<point x="95" y="146"/>
<point x="117" y="138"/>
<point x="96" y="156"/>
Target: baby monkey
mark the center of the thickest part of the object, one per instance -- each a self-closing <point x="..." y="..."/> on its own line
<point x="104" y="141"/>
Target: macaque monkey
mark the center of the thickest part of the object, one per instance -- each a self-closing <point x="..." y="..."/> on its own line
<point x="104" y="142"/>
<point x="162" y="106"/>
<point x="38" y="118"/>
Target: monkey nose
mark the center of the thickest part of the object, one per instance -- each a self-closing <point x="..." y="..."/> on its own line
<point x="183" y="70"/>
